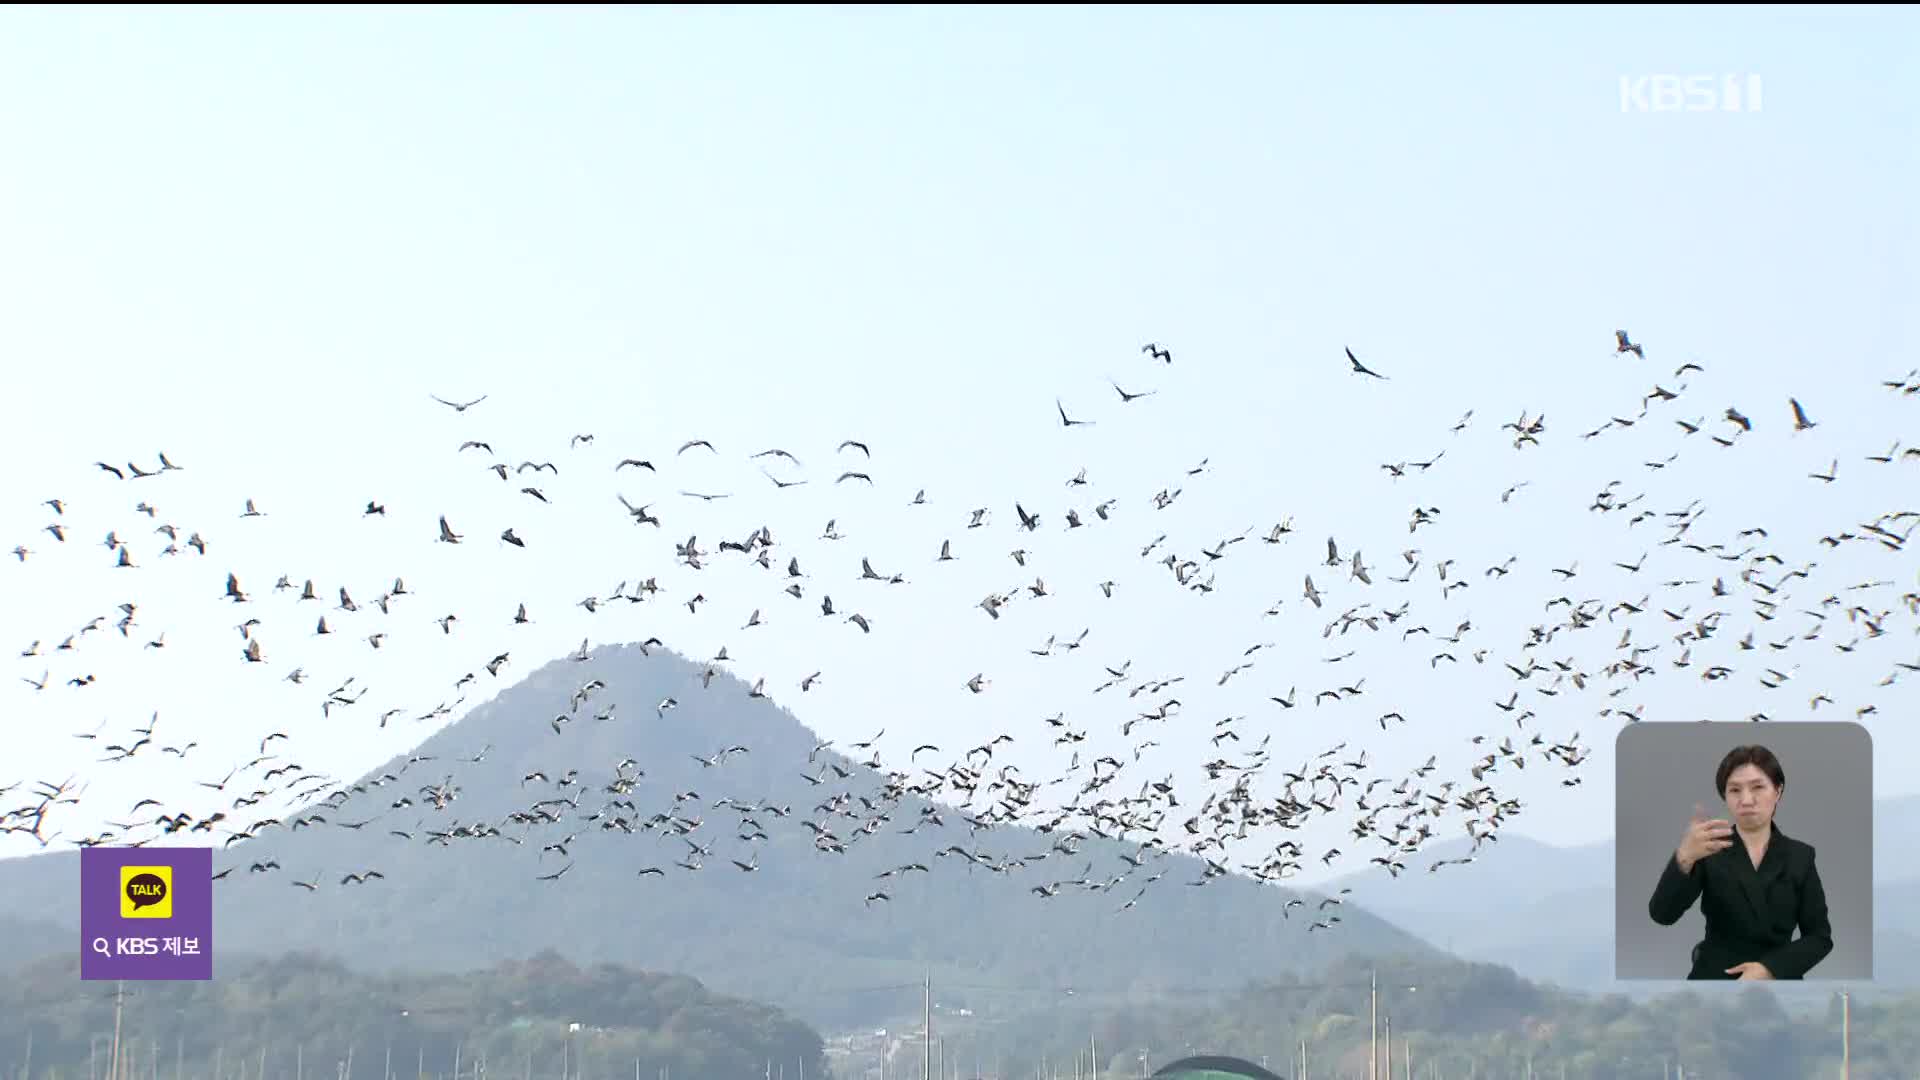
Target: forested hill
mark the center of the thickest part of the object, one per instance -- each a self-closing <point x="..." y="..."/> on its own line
<point x="1454" y="1019"/>
<point x="297" y="1014"/>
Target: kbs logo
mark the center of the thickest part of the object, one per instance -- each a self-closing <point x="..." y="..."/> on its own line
<point x="1689" y="93"/>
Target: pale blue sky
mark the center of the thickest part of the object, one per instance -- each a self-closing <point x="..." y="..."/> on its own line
<point x="259" y="239"/>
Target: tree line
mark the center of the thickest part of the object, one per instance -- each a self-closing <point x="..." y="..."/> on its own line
<point x="303" y="1017"/>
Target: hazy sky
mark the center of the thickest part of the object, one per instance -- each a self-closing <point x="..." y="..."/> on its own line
<point x="258" y="240"/>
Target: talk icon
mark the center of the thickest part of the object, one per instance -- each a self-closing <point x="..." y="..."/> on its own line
<point x="146" y="892"/>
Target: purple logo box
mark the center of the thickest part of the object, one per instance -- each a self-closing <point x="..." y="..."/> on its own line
<point x="135" y="924"/>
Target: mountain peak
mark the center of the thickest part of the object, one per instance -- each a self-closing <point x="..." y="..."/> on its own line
<point x="629" y="836"/>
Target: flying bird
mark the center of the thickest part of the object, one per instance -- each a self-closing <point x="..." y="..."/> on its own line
<point x="1066" y="421"/>
<point x="1360" y="368"/>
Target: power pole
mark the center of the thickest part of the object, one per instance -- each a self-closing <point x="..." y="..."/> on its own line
<point x="926" y="1024"/>
<point x="1846" y="1035"/>
<point x="113" y="1056"/>
<point x="1373" y="1012"/>
<point x="1386" y="1059"/>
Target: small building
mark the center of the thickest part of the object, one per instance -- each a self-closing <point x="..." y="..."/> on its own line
<point x="1213" y="1067"/>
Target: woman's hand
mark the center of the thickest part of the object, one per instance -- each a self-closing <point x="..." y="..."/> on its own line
<point x="1703" y="837"/>
<point x="1752" y="969"/>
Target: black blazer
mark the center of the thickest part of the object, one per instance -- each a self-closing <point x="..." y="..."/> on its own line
<point x="1751" y="913"/>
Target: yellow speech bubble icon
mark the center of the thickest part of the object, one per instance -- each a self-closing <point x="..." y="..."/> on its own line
<point x="146" y="892"/>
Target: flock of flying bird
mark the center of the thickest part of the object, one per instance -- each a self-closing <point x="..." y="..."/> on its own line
<point x="1744" y="612"/>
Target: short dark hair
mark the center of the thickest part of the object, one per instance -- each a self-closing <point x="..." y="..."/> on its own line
<point x="1757" y="756"/>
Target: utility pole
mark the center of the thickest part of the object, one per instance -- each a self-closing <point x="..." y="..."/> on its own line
<point x="926" y="1024"/>
<point x="113" y="1056"/>
<point x="1846" y="1035"/>
<point x="1373" y="1013"/>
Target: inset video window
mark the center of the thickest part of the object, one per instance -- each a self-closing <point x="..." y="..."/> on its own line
<point x="1744" y="851"/>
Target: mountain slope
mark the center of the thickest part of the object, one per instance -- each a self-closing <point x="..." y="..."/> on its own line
<point x="25" y="940"/>
<point x="796" y="931"/>
<point x="1456" y="904"/>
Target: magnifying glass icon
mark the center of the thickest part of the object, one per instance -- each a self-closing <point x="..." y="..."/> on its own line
<point x="100" y="946"/>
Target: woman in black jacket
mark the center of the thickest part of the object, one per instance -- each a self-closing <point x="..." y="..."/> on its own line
<point x="1755" y="884"/>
